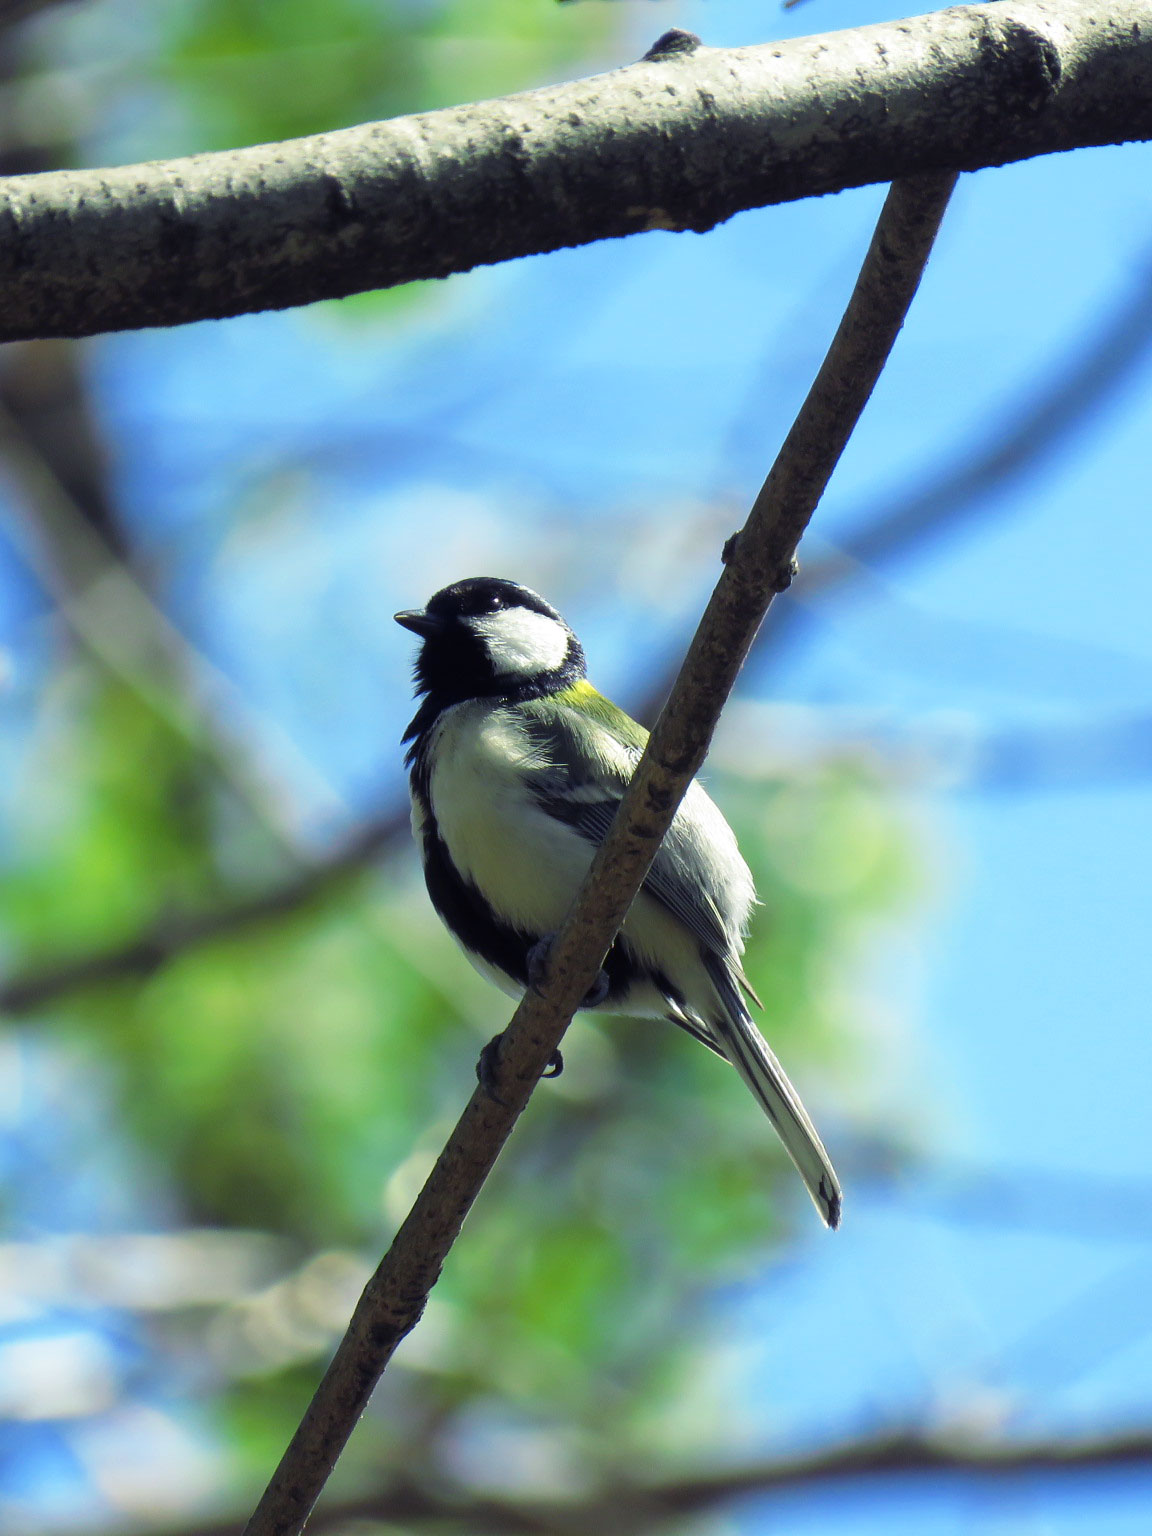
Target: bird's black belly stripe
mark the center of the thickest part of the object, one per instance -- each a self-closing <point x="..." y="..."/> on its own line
<point x="468" y="915"/>
<point x="471" y="919"/>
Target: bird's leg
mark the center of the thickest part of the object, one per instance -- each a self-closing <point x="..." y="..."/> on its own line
<point x="488" y="1067"/>
<point x="537" y="964"/>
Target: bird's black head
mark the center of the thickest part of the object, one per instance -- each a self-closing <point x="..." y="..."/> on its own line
<point x="487" y="638"/>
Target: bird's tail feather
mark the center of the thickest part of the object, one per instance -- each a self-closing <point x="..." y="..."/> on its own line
<point x="749" y="1053"/>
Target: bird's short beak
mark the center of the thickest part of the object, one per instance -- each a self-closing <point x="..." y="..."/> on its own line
<point x="419" y="622"/>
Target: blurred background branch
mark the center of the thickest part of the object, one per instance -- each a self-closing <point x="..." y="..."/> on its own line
<point x="636" y="1506"/>
<point x="14" y="11"/>
<point x="1066" y="398"/>
<point x="1043" y="421"/>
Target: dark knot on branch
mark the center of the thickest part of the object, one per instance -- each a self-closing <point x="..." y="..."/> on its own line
<point x="672" y="42"/>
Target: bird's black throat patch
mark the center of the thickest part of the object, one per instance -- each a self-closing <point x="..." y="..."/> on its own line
<point x="476" y="686"/>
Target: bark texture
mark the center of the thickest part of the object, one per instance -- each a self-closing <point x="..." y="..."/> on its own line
<point x="681" y="140"/>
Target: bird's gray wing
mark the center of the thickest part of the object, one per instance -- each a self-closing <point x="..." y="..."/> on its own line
<point x="579" y="776"/>
<point x="669" y="881"/>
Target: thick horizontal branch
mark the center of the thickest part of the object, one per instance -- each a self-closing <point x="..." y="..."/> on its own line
<point x="681" y="140"/>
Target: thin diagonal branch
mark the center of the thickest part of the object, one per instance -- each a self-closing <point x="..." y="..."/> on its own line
<point x="758" y="564"/>
<point x="114" y="617"/>
<point x="40" y="985"/>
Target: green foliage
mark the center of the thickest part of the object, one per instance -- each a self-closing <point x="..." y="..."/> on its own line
<point x="116" y="826"/>
<point x="199" y="75"/>
<point x="829" y="863"/>
<point x="255" y="70"/>
<point x="301" y="1075"/>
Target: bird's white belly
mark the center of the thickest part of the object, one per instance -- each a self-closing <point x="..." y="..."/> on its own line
<point x="526" y="864"/>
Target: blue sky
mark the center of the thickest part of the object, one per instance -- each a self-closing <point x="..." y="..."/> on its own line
<point x="657" y="375"/>
<point x="1031" y="1049"/>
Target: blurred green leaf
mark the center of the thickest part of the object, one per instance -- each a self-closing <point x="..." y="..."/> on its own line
<point x="300" y="1075"/>
<point x="254" y="71"/>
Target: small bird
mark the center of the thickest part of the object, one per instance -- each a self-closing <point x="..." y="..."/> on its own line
<point x="517" y="767"/>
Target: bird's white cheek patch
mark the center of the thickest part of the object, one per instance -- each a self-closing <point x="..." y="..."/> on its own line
<point x="521" y="642"/>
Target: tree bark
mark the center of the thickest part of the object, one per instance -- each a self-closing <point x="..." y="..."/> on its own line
<point x="681" y="140"/>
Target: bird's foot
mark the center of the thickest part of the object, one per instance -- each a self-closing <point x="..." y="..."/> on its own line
<point x="538" y="964"/>
<point x="488" y="1067"/>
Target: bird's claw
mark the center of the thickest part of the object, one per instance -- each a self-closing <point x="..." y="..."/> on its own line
<point x="488" y="1067"/>
<point x="597" y="993"/>
<point x="538" y="964"/>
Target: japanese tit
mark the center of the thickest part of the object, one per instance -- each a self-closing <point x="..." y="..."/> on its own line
<point x="517" y="766"/>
